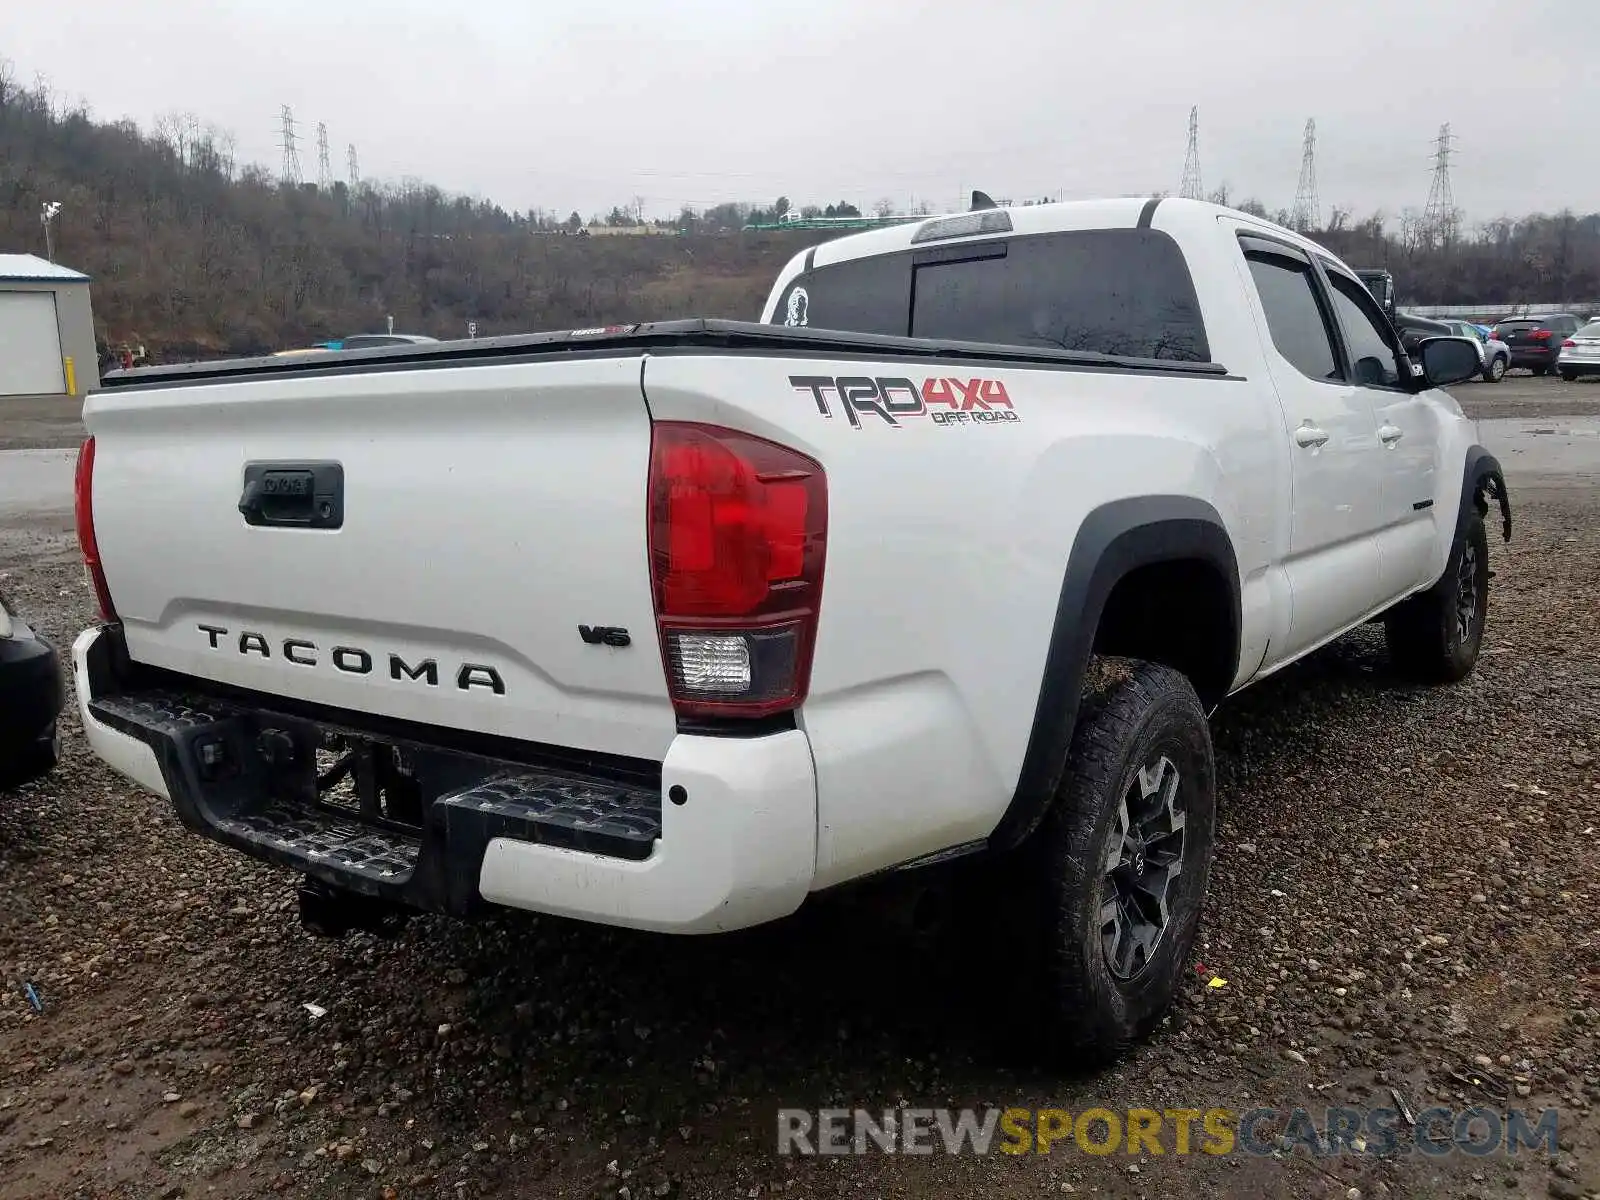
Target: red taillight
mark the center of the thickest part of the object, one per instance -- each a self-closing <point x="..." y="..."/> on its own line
<point x="83" y="504"/>
<point x="1568" y="342"/>
<point x="738" y="530"/>
<point x="1540" y="335"/>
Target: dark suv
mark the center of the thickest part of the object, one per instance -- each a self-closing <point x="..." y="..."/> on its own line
<point x="1536" y="341"/>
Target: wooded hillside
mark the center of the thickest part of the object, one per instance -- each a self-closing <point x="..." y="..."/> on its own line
<point x="194" y="256"/>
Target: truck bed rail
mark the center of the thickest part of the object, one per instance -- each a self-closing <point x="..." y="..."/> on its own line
<point x="702" y="336"/>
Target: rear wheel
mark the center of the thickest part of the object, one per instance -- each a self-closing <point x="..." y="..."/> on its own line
<point x="1119" y="866"/>
<point x="1569" y="376"/>
<point x="1540" y="370"/>
<point x="1435" y="636"/>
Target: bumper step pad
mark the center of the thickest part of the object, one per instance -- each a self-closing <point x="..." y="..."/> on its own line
<point x="224" y="787"/>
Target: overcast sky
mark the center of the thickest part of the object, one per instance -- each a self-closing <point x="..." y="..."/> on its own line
<point x="558" y="106"/>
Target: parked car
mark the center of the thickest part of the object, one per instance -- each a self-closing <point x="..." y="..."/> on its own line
<point x="31" y="695"/>
<point x="1535" y="342"/>
<point x="365" y="341"/>
<point x="569" y="655"/>
<point x="1580" y="353"/>
<point x="1494" y="354"/>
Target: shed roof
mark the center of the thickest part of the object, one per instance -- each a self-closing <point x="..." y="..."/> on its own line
<point x="30" y="268"/>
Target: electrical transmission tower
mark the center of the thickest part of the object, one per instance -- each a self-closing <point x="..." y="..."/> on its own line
<point x="1191" y="186"/>
<point x="291" y="150"/>
<point x="1307" y="213"/>
<point x="354" y="164"/>
<point x="1439" y="218"/>
<point x="324" y="170"/>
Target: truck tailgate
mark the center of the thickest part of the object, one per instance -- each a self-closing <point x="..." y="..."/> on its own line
<point x="487" y="515"/>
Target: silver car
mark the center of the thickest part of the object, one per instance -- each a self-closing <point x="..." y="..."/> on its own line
<point x="1494" y="354"/>
<point x="1580" y="353"/>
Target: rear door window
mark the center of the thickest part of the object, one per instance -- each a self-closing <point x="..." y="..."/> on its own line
<point x="1301" y="329"/>
<point x="1126" y="292"/>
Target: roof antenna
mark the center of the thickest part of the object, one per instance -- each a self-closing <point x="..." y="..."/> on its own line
<point x="981" y="200"/>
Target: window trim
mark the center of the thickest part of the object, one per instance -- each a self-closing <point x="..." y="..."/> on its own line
<point x="1385" y="330"/>
<point x="1253" y="243"/>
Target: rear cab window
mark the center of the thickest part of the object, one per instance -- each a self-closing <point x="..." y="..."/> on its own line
<point x="1125" y="292"/>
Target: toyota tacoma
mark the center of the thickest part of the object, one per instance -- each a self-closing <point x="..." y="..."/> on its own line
<point x="674" y="626"/>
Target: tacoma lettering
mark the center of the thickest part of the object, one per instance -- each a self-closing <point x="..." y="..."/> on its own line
<point x="356" y="660"/>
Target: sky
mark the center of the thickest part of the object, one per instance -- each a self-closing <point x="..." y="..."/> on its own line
<point x="584" y="106"/>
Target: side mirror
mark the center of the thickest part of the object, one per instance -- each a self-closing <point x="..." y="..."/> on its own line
<point x="1447" y="360"/>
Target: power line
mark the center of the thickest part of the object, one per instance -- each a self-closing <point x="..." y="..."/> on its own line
<point x="1307" y="213"/>
<point x="1191" y="186"/>
<point x="324" y="168"/>
<point x="290" y="173"/>
<point x="1439" y="217"/>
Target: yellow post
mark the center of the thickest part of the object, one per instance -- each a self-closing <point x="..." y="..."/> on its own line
<point x="72" y="376"/>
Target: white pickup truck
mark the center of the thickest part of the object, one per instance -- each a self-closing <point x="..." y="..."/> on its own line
<point x="674" y="626"/>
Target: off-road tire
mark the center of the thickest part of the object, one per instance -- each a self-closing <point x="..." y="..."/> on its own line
<point x="36" y="760"/>
<point x="1435" y="635"/>
<point x="1134" y="716"/>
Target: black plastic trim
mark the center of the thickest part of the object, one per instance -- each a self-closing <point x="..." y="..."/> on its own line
<point x="669" y="337"/>
<point x="1483" y="468"/>
<point x="935" y="256"/>
<point x="737" y="727"/>
<point x="126" y="675"/>
<point x="1148" y="212"/>
<point x="1113" y="540"/>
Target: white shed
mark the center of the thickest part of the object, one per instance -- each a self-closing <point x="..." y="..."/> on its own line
<point x="47" y="345"/>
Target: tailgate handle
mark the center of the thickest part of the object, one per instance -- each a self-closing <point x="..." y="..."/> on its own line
<point x="305" y="495"/>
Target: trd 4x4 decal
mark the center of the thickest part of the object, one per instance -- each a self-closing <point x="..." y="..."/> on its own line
<point x="945" y="401"/>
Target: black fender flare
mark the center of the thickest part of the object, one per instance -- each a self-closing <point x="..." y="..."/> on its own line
<point x="1114" y="539"/>
<point x="1482" y="477"/>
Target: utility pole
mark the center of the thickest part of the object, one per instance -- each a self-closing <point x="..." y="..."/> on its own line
<point x="1439" y="217"/>
<point x="1307" y="213"/>
<point x="1191" y="187"/>
<point x="47" y="216"/>
<point x="324" y="169"/>
<point x="288" y="139"/>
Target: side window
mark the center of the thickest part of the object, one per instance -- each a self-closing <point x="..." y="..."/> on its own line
<point x="867" y="295"/>
<point x="1371" y="352"/>
<point x="1294" y="316"/>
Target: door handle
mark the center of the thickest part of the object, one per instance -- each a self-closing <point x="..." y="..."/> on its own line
<point x="1390" y="434"/>
<point x="1309" y="436"/>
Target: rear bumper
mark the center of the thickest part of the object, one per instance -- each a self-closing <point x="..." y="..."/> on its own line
<point x="1532" y="356"/>
<point x="738" y="850"/>
<point x="30" y="692"/>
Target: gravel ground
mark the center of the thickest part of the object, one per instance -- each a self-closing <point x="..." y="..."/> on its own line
<point x="1403" y="898"/>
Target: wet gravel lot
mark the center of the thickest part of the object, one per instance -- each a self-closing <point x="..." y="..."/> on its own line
<point x="1403" y="903"/>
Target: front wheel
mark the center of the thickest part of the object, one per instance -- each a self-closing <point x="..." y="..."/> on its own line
<point x="1435" y="636"/>
<point x="1120" y="863"/>
<point x="1496" y="371"/>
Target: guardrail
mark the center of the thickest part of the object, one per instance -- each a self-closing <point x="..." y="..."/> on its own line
<point x="1487" y="314"/>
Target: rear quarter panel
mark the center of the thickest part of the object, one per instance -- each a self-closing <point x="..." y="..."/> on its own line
<point x="947" y="544"/>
